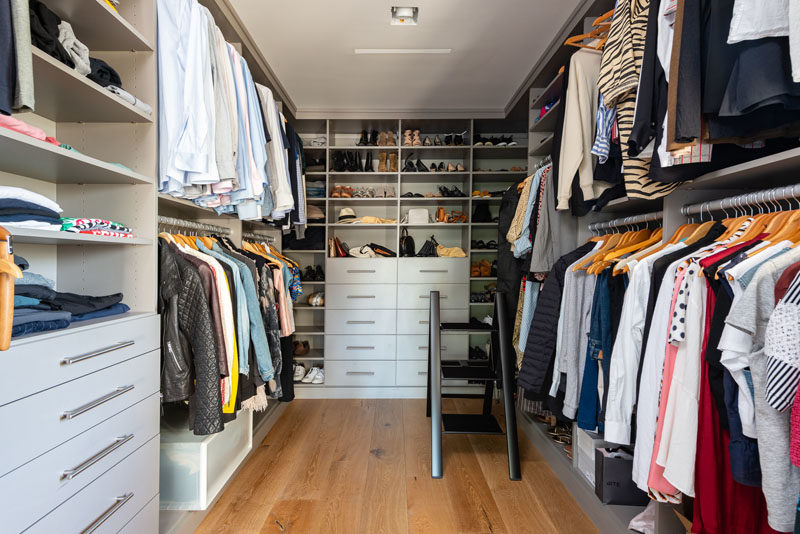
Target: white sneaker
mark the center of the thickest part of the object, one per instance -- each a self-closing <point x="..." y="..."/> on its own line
<point x="310" y="376"/>
<point x="319" y="378"/>
<point x="299" y="373"/>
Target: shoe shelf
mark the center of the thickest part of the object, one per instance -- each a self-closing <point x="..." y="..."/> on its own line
<point x="484" y="224"/>
<point x="359" y="225"/>
<point x="543" y="148"/>
<point x="548" y="121"/>
<point x="316" y="173"/>
<point x="509" y="152"/>
<point x="551" y="92"/>
<point x="299" y="251"/>
<point x="363" y="199"/>
<point x="478" y="278"/>
<point x="486" y="199"/>
<point x="63" y="95"/>
<point x="309" y="330"/>
<point x="308" y="307"/>
<point x="314" y="355"/>
<point x="483" y="251"/>
<point x="357" y="173"/>
<point x="312" y="282"/>
<point x="442" y="225"/>
<point x="481" y="303"/>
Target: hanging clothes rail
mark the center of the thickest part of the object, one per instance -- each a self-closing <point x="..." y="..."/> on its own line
<point x="258" y="237"/>
<point x="192" y="225"/>
<point x="767" y="197"/>
<point x="634" y="219"/>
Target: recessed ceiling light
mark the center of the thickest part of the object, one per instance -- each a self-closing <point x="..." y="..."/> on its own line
<point x="404" y="16"/>
<point x="403" y="50"/>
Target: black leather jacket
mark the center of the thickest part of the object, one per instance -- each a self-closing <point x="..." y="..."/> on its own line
<point x="188" y="347"/>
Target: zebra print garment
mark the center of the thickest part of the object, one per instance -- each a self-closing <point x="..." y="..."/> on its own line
<point x="618" y="81"/>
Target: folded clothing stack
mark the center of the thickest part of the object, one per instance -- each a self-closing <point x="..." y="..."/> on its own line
<point x="95" y="227"/>
<point x="315" y="189"/>
<point x="39" y="308"/>
<point x="13" y="123"/>
<point x="25" y="209"/>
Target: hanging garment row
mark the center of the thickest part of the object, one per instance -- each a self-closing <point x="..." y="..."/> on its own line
<point x="223" y="143"/>
<point x="666" y="92"/>
<point x="685" y="348"/>
<point x="226" y="315"/>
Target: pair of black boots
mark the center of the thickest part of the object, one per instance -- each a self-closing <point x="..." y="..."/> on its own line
<point x="368" y="140"/>
<point x="351" y="162"/>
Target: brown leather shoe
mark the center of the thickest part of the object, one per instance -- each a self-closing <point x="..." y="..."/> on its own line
<point x="392" y="162"/>
<point x="381" y="161"/>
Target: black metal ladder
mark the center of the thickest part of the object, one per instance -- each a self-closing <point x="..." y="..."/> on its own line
<point x="494" y="372"/>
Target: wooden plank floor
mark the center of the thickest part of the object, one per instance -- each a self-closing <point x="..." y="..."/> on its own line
<point x="363" y="466"/>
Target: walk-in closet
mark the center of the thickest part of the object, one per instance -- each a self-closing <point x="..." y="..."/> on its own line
<point x="442" y="267"/>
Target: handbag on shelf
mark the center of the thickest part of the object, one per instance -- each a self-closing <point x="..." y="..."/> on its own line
<point x="428" y="250"/>
<point x="381" y="251"/>
<point x="418" y="216"/>
<point x="407" y="247"/>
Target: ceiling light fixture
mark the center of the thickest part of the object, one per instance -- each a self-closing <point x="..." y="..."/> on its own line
<point x="373" y="51"/>
<point x="404" y="16"/>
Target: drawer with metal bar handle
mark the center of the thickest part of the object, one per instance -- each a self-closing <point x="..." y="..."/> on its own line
<point x="361" y="296"/>
<point x="360" y="322"/>
<point x="359" y="373"/>
<point x="110" y="501"/>
<point x="361" y="271"/>
<point x="35" y="488"/>
<point x="76" y="352"/>
<point x="362" y="347"/>
<point x="49" y="418"/>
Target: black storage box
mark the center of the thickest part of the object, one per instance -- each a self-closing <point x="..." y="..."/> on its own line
<point x="613" y="483"/>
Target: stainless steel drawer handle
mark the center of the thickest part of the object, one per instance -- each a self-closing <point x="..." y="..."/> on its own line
<point x="361" y="296"/>
<point x="119" y="502"/>
<point x="360" y="322"/>
<point x="428" y="296"/>
<point x="424" y="322"/>
<point x="71" y="414"/>
<point x="360" y="348"/>
<point x="361" y="271"/>
<point x="105" y="350"/>
<point x="422" y="373"/>
<point x="366" y="373"/>
<point x="69" y="474"/>
<point x="425" y="347"/>
<point x="434" y="270"/>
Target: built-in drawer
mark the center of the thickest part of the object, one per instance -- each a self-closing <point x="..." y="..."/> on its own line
<point x="37" y="487"/>
<point x="454" y="347"/>
<point x="47" y="419"/>
<point x="417" y="321"/>
<point x="360" y="322"/>
<point x="361" y="296"/>
<point x="145" y="522"/>
<point x="417" y="296"/>
<point x="366" y="347"/>
<point x="432" y="270"/>
<point x="361" y="271"/>
<point x="51" y="360"/>
<point x="412" y="373"/>
<point x="111" y="501"/>
<point x="359" y="373"/>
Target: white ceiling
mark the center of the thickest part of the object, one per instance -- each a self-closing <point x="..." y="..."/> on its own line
<point x="309" y="45"/>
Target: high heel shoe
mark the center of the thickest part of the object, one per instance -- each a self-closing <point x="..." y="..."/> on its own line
<point x="381" y="161"/>
<point x="460" y="168"/>
<point x="392" y="162"/>
<point x="437" y="141"/>
<point x="373" y="138"/>
<point x="440" y="167"/>
<point x="427" y="141"/>
<point x="368" y="163"/>
<point x="363" y="140"/>
<point x="407" y="141"/>
<point x="416" y="141"/>
<point x="421" y="166"/>
<point x="451" y="167"/>
<point x="448" y="140"/>
<point x="408" y="166"/>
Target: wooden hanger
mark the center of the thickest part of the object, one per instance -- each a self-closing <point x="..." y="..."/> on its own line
<point x="650" y="239"/>
<point x="600" y="34"/>
<point x="608" y="244"/>
<point x="8" y="271"/>
<point x="605" y="18"/>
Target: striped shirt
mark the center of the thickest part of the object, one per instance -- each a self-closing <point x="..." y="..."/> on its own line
<point x="605" y="122"/>
<point x="782" y="347"/>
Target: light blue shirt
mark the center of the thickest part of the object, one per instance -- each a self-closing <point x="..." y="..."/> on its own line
<point x="523" y="244"/>
<point x="257" y="332"/>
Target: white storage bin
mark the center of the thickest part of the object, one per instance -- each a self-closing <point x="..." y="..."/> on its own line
<point x="195" y="468"/>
